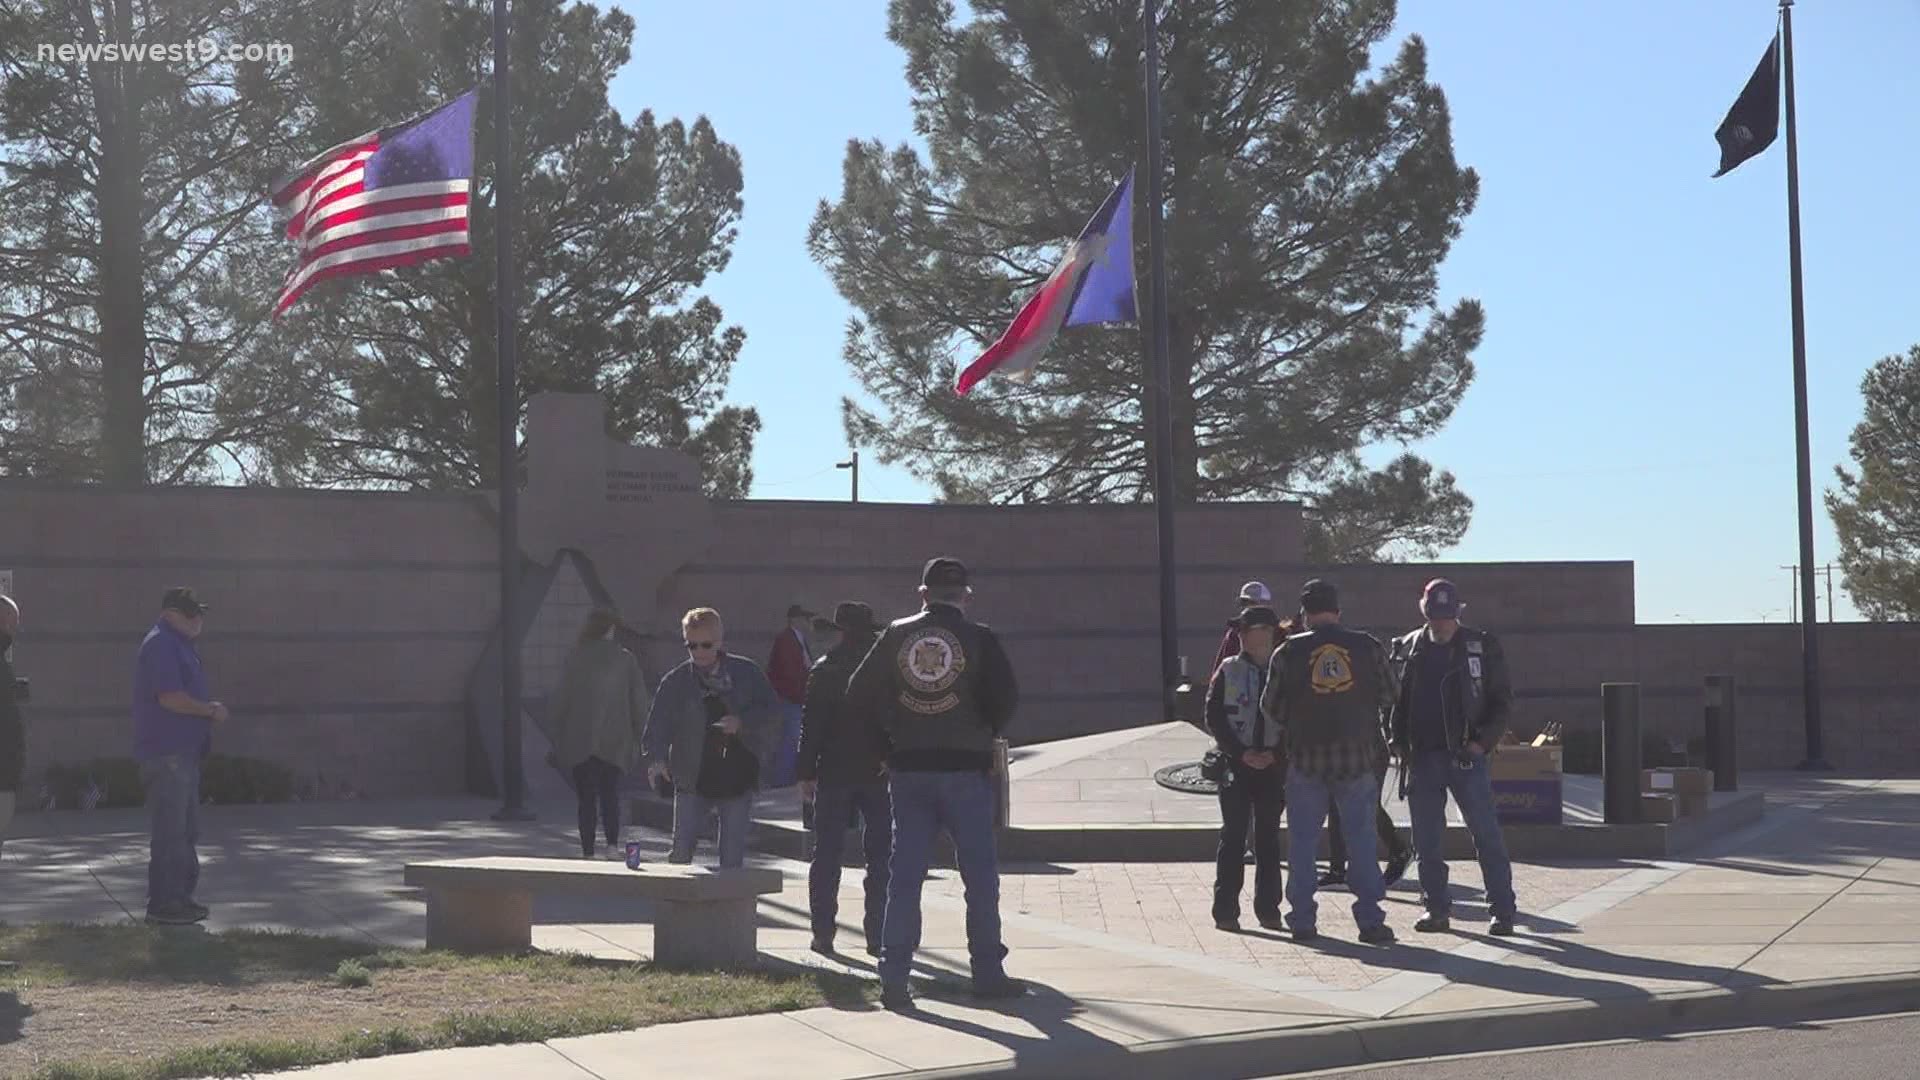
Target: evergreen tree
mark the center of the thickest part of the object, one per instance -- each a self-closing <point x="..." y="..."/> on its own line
<point x="1310" y="196"/>
<point x="1876" y="510"/>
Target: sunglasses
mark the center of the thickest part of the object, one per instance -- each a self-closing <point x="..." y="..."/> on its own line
<point x="695" y="645"/>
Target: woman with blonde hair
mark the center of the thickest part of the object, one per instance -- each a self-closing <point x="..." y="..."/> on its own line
<point x="594" y="722"/>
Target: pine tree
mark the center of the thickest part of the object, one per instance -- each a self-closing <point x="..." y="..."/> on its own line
<point x="1876" y="510"/>
<point x="1310" y="197"/>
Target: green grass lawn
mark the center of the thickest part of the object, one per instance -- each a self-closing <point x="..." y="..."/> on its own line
<point x="188" y="1003"/>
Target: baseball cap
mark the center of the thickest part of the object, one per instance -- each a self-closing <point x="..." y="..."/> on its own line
<point x="854" y="617"/>
<point x="181" y="599"/>
<point x="1319" y="596"/>
<point x="944" y="572"/>
<point x="1257" y="615"/>
<point x="1256" y="592"/>
<point x="1441" y="599"/>
<point x="797" y="611"/>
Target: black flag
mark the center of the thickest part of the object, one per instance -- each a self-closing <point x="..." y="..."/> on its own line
<point x="1754" y="121"/>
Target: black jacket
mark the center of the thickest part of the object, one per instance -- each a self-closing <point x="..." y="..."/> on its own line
<point x="1477" y="699"/>
<point x="13" y="730"/>
<point x="836" y="745"/>
<point x="938" y="689"/>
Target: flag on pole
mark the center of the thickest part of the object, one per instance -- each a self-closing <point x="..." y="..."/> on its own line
<point x="389" y="198"/>
<point x="1754" y="121"/>
<point x="1093" y="284"/>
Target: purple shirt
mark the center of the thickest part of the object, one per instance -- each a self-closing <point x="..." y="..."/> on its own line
<point x="168" y="661"/>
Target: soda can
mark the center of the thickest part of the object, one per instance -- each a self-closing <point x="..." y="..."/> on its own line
<point x="633" y="854"/>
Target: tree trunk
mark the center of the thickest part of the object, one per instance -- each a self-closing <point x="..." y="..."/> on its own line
<point x="121" y="306"/>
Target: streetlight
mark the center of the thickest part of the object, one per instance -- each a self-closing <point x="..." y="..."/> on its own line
<point x="854" y="464"/>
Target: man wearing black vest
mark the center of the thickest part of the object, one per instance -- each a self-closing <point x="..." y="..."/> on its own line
<point x="939" y="689"/>
<point x="1329" y="691"/>
<point x="1450" y="711"/>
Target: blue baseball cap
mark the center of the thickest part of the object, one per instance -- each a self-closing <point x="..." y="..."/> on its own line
<point x="1440" y="599"/>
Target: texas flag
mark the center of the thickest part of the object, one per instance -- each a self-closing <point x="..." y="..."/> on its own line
<point x="1093" y="284"/>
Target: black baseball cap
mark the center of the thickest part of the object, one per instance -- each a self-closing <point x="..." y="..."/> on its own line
<point x="797" y="611"/>
<point x="1319" y="597"/>
<point x="181" y="599"/>
<point x="854" y="617"/>
<point x="1257" y="615"/>
<point x="944" y="571"/>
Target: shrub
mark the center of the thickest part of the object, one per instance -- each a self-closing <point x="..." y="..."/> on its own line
<point x="224" y="779"/>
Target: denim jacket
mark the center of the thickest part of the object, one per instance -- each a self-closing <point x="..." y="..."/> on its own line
<point x="677" y="724"/>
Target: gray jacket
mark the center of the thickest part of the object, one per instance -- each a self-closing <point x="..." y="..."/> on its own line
<point x="597" y="709"/>
<point x="677" y="724"/>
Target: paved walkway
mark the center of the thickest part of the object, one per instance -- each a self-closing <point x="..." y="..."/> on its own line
<point x="1122" y="954"/>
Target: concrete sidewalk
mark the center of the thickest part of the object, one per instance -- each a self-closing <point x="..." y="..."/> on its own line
<point x="1127" y="965"/>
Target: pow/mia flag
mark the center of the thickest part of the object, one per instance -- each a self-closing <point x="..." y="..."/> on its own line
<point x="1754" y="121"/>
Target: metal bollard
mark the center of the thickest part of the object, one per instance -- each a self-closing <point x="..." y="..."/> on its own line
<point x="1722" y="746"/>
<point x="1620" y="752"/>
<point x="1003" y="784"/>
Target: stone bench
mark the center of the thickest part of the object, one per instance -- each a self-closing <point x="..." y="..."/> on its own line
<point x="704" y="918"/>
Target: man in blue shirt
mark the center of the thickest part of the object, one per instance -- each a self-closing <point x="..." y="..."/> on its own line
<point x="173" y="718"/>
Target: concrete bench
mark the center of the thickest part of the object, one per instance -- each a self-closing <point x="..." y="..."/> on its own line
<point x="704" y="918"/>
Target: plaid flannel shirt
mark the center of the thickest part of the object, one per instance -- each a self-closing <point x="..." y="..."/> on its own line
<point x="1343" y="759"/>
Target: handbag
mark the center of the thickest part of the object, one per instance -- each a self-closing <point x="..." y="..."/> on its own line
<point x="1213" y="765"/>
<point x="728" y="768"/>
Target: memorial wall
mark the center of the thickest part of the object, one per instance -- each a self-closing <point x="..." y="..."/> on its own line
<point x="348" y="628"/>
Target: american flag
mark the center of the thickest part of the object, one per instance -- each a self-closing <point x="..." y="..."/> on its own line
<point x="389" y="198"/>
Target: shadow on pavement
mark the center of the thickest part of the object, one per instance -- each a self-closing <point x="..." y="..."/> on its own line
<point x="13" y="1017"/>
<point x="1045" y="1008"/>
<point x="1536" y="981"/>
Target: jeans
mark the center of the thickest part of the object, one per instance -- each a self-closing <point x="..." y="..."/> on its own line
<point x="597" y="785"/>
<point x="923" y="804"/>
<point x="690" y="813"/>
<point x="1256" y="795"/>
<point x="1309" y="799"/>
<point x="173" y="818"/>
<point x="6" y="816"/>
<point x="834" y="807"/>
<point x="1390" y="843"/>
<point x="1434" y="773"/>
<point x="786" y="757"/>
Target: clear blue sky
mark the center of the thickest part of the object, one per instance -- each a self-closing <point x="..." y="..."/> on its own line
<point x="1634" y="396"/>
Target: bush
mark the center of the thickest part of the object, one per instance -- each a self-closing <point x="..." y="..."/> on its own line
<point x="230" y="780"/>
<point x="224" y="779"/>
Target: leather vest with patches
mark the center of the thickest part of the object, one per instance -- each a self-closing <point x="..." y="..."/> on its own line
<point x="1242" y="680"/>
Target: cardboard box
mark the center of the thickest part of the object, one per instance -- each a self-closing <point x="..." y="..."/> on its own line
<point x="1658" y="809"/>
<point x="1682" y="784"/>
<point x="1526" y="784"/>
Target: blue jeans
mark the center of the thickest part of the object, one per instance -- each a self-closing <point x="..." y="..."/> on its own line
<point x="690" y="813"/>
<point x="1308" y="801"/>
<point x="1434" y="773"/>
<point x="833" y="809"/>
<point x="786" y="757"/>
<point x="923" y="804"/>
<point x="173" y="818"/>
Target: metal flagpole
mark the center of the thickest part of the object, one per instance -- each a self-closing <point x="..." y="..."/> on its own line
<point x="1809" y="623"/>
<point x="1162" y="373"/>
<point x="512" y="778"/>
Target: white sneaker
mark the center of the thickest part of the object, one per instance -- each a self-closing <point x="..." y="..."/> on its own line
<point x="615" y="855"/>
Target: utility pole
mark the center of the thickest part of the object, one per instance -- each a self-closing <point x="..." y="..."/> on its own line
<point x="854" y="464"/>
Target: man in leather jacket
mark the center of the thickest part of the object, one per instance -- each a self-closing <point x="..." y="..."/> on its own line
<point x="1453" y="705"/>
<point x="939" y="689"/>
<point x="842" y="775"/>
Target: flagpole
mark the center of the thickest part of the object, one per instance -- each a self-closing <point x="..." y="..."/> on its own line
<point x="512" y="777"/>
<point x="1162" y="372"/>
<point x="1809" y="626"/>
